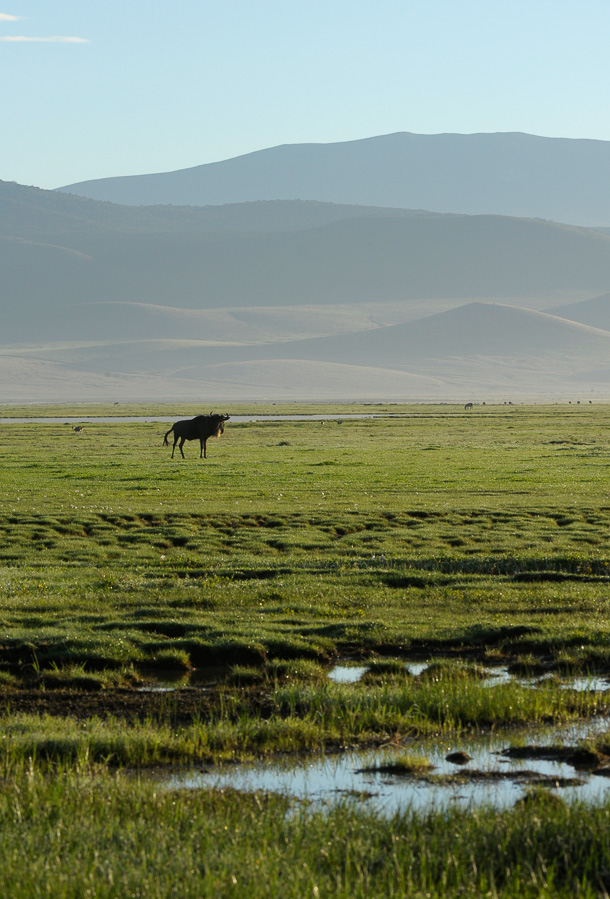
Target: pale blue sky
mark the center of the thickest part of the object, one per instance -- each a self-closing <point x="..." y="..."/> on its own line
<point x="150" y="86"/>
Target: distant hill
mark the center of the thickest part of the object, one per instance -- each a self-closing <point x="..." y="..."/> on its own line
<point x="292" y="299"/>
<point x="470" y="331"/>
<point x="512" y="173"/>
<point x="30" y="212"/>
<point x="477" y="352"/>
<point x="594" y="312"/>
<point x="351" y="259"/>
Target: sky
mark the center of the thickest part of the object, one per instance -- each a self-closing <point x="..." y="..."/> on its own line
<point x="94" y="89"/>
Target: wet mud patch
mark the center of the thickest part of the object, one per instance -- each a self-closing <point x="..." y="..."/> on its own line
<point x="423" y="770"/>
<point x="529" y="777"/>
<point x="580" y="757"/>
<point x="178" y="707"/>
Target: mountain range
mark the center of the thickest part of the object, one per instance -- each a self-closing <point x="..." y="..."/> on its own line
<point x="512" y="173"/>
<point x="278" y="298"/>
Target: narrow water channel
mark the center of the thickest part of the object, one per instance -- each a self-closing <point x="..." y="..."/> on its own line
<point x="130" y="419"/>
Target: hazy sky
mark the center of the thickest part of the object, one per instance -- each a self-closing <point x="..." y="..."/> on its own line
<point x="94" y="88"/>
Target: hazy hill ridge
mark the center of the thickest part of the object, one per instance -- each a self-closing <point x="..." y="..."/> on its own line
<point x="478" y="351"/>
<point x="57" y="249"/>
<point x="31" y="212"/>
<point x="510" y="173"/>
<point x="293" y="299"/>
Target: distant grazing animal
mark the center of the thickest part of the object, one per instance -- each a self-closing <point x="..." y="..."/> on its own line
<point x="468" y="406"/>
<point x="79" y="429"/>
<point x="200" y="428"/>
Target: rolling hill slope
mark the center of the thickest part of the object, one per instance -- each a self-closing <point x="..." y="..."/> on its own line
<point x="31" y="213"/>
<point x="368" y="259"/>
<point x="292" y="300"/>
<point x="478" y="352"/>
<point x="594" y="312"/>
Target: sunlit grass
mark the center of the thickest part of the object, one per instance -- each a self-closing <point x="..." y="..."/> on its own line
<point x="141" y="839"/>
<point x="291" y="717"/>
<point x="424" y="533"/>
<point x="421" y="530"/>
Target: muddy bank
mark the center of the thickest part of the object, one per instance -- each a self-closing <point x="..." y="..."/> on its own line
<point x="180" y="706"/>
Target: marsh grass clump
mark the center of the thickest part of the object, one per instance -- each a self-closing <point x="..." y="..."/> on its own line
<point x="301" y="670"/>
<point x="529" y="665"/>
<point x="407" y="765"/>
<point x="244" y="675"/>
<point x="7" y="679"/>
<point x="412" y="764"/>
<point x="76" y="677"/>
<point x="584" y="659"/>
<point x="601" y="744"/>
<point x="452" y="671"/>
<point x="541" y="798"/>
<point x="168" y="659"/>
<point x="380" y="670"/>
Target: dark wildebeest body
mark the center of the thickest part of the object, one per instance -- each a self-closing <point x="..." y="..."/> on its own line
<point x="200" y="428"/>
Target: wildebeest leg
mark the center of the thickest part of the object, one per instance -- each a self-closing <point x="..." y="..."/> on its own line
<point x="180" y="445"/>
<point x="201" y="447"/>
<point x="174" y="446"/>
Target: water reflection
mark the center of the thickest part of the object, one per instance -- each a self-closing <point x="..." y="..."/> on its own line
<point x="347" y="674"/>
<point x="351" y="674"/>
<point x="117" y="419"/>
<point x="337" y="777"/>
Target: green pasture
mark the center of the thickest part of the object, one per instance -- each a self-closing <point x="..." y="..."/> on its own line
<point x="423" y="529"/>
<point x="425" y="532"/>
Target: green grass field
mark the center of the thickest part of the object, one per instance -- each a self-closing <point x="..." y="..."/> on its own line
<point x="478" y="537"/>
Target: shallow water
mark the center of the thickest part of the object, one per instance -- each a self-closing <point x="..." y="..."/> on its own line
<point x="338" y="777"/>
<point x="204" y="678"/>
<point x="168" y="680"/>
<point x="347" y="674"/>
<point x="117" y="419"/>
<point x="351" y="674"/>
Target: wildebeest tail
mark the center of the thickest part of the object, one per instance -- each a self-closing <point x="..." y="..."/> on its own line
<point x="165" y="440"/>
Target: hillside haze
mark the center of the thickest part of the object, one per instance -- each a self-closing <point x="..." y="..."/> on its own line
<point x="512" y="174"/>
<point x="293" y="299"/>
<point x="57" y="251"/>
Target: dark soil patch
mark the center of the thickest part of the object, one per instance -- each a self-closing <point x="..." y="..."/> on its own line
<point x="178" y="707"/>
<point x="577" y="756"/>
<point x="528" y="777"/>
<point x="472" y="776"/>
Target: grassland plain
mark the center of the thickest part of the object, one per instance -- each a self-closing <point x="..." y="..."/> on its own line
<point x="480" y="537"/>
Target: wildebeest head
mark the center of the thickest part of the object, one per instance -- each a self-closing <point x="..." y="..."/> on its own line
<point x="218" y="421"/>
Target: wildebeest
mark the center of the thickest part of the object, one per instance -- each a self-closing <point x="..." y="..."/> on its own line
<point x="468" y="406"/>
<point x="79" y="429"/>
<point x="200" y="428"/>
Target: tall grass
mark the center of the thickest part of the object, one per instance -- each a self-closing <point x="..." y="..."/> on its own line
<point x="140" y="840"/>
<point x="293" y="717"/>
